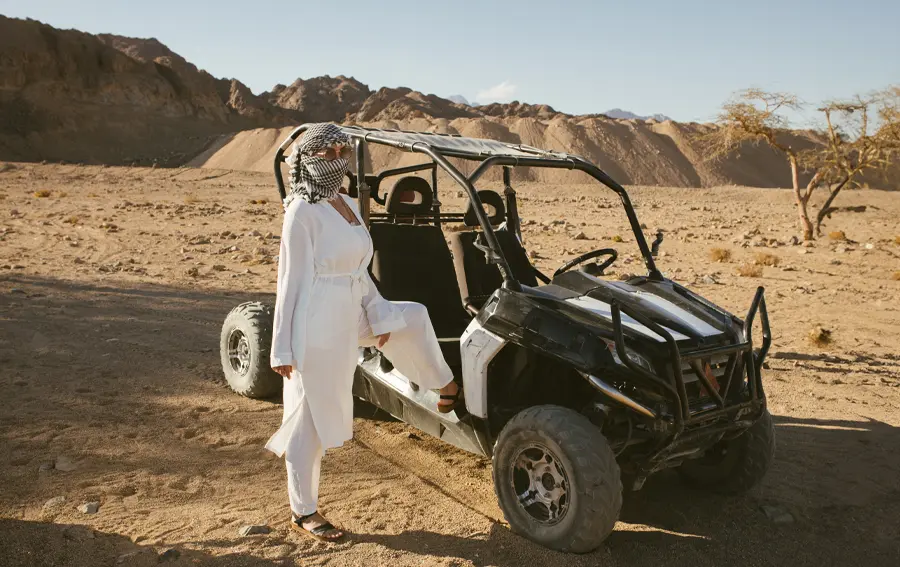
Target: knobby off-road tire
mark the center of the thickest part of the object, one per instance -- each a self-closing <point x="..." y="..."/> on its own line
<point x="587" y="465"/>
<point x="737" y="465"/>
<point x="244" y="347"/>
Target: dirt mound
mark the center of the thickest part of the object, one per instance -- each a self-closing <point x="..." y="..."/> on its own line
<point x="633" y="152"/>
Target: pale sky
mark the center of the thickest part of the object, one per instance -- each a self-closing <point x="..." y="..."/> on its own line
<point x="679" y="58"/>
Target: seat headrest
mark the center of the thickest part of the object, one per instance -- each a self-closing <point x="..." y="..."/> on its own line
<point x="493" y="206"/>
<point x="409" y="196"/>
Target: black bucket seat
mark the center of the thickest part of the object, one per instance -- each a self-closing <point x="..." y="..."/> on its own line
<point x="477" y="278"/>
<point x="412" y="262"/>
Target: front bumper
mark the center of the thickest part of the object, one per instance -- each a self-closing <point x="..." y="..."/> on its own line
<point x="728" y="401"/>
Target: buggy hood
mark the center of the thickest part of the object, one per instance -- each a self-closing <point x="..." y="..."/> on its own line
<point x="689" y="318"/>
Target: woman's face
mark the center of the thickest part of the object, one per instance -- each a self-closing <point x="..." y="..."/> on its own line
<point x="334" y="152"/>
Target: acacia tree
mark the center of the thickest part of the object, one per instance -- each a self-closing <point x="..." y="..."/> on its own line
<point x="853" y="146"/>
<point x="888" y="102"/>
<point x="754" y="116"/>
<point x="849" y="149"/>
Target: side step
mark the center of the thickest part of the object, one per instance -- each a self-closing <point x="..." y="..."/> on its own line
<point x="392" y="392"/>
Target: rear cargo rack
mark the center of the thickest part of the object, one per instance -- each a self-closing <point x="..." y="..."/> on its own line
<point x="675" y="386"/>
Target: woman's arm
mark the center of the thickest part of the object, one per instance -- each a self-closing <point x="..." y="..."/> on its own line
<point x="296" y="270"/>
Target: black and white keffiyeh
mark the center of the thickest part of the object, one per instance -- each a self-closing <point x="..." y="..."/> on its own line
<point x="314" y="178"/>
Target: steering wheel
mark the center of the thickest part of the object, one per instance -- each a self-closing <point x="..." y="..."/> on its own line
<point x="594" y="269"/>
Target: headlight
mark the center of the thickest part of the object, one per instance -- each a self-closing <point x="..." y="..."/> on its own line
<point x="632" y="356"/>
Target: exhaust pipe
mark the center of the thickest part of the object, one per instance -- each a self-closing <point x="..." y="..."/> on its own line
<point x="618" y="396"/>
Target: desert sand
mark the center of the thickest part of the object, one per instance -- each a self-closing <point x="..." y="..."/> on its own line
<point x="115" y="282"/>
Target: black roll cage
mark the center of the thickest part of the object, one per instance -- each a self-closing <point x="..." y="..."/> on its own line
<point x="517" y="156"/>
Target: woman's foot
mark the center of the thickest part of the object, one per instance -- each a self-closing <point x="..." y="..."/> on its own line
<point x="316" y="526"/>
<point x="451" y="397"/>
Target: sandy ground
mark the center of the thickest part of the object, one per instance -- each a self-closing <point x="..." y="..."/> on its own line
<point x="114" y="287"/>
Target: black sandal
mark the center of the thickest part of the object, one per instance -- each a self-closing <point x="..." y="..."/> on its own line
<point x="457" y="400"/>
<point x="317" y="532"/>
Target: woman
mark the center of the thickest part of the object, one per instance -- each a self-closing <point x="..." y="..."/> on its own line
<point x="326" y="307"/>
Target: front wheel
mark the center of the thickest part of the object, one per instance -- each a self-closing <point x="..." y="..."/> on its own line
<point x="557" y="479"/>
<point x="736" y="465"/>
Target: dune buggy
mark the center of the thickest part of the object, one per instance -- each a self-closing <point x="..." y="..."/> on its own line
<point x="573" y="383"/>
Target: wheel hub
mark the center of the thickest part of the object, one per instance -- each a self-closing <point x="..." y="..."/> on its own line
<point x="541" y="484"/>
<point x="239" y="351"/>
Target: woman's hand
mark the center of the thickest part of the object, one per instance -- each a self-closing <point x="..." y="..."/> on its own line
<point x="283" y="370"/>
<point x="382" y="339"/>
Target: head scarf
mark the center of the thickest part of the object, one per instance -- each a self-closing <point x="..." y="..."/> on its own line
<point x="314" y="178"/>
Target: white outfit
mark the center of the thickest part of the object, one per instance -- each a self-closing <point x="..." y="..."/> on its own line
<point x="326" y="307"/>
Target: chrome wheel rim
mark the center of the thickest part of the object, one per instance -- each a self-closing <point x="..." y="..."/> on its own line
<point x="541" y="484"/>
<point x="239" y="351"/>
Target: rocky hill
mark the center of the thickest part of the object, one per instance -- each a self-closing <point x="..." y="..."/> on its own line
<point x="66" y="95"/>
<point x="69" y="95"/>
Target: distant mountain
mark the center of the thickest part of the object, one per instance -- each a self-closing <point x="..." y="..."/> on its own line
<point x="73" y="96"/>
<point x="626" y="115"/>
<point x="320" y="98"/>
<point x="459" y="99"/>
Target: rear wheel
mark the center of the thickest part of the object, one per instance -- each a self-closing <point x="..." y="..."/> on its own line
<point x="735" y="465"/>
<point x="557" y="479"/>
<point x="244" y="349"/>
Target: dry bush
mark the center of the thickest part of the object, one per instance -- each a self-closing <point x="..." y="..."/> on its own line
<point x="837" y="235"/>
<point x="617" y="238"/>
<point x="62" y="194"/>
<point x="896" y="276"/>
<point x="750" y="271"/>
<point x="191" y="199"/>
<point x="93" y="195"/>
<point x="42" y="193"/>
<point x="258" y="201"/>
<point x="766" y="259"/>
<point x="897" y="240"/>
<point x="819" y="336"/>
<point x="720" y="255"/>
<point x="71" y="220"/>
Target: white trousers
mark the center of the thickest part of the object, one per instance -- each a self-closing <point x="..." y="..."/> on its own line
<point x="303" y="459"/>
<point x="413" y="350"/>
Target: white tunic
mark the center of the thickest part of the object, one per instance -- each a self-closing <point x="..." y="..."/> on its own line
<point x="326" y="302"/>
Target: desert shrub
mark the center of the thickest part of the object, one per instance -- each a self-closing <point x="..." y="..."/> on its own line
<point x="720" y="255"/>
<point x="896" y="276"/>
<point x="71" y="220"/>
<point x="749" y="271"/>
<point x="837" y="235"/>
<point x="617" y="238"/>
<point x="766" y="259"/>
<point x="191" y="199"/>
<point x="819" y="336"/>
<point x="42" y="193"/>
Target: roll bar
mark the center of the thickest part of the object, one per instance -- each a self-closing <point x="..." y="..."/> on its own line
<point x="439" y="151"/>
